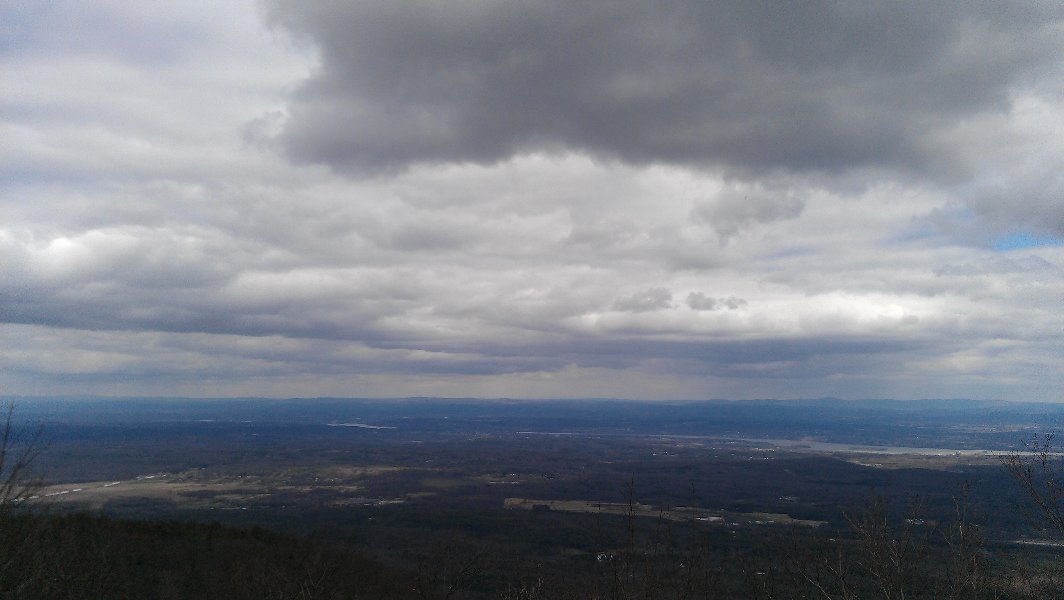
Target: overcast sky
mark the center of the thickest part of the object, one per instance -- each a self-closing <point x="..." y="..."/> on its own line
<point x="671" y="199"/>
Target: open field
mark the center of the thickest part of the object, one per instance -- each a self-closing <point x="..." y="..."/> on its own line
<point x="680" y="513"/>
<point x="335" y="485"/>
<point x="160" y="487"/>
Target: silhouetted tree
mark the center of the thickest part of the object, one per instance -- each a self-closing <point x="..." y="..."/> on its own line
<point x="19" y="448"/>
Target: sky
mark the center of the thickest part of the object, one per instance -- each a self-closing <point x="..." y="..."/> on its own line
<point x="680" y="199"/>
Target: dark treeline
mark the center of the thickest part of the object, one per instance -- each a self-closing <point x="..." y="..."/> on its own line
<point x="884" y="552"/>
<point x="83" y="556"/>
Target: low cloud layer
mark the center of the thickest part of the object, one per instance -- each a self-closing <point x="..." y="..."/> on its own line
<point x="681" y="200"/>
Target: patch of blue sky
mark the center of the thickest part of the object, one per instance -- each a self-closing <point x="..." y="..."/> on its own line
<point x="1025" y="239"/>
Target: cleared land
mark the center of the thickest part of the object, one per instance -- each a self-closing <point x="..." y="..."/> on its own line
<point x="335" y="485"/>
<point x="679" y="513"/>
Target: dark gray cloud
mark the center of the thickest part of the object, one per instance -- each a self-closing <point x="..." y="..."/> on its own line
<point x="762" y="84"/>
<point x="646" y="300"/>
<point x="699" y="301"/>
